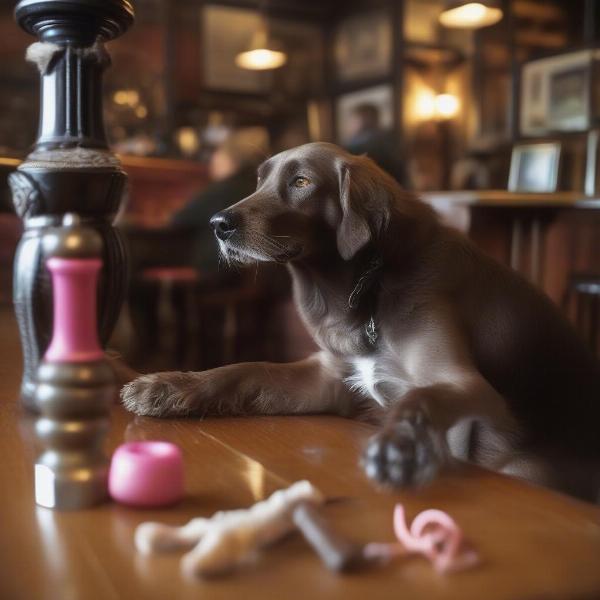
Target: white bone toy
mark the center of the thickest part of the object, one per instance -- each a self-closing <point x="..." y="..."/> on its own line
<point x="228" y="538"/>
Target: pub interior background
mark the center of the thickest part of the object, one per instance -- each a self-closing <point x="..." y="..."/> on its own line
<point x="497" y="126"/>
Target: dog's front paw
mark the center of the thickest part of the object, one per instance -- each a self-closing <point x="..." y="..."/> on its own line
<point x="169" y="394"/>
<point x="407" y="452"/>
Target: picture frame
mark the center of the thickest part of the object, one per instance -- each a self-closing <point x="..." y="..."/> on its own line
<point x="569" y="98"/>
<point x="362" y="47"/>
<point x="380" y="96"/>
<point x="557" y="92"/>
<point x="534" y="167"/>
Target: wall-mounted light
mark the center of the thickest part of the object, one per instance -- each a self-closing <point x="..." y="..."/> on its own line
<point x="263" y="54"/>
<point x="431" y="106"/>
<point x="424" y="107"/>
<point x="470" y="15"/>
<point x="446" y="106"/>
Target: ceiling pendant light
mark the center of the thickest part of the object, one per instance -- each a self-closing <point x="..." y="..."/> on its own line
<point x="470" y="15"/>
<point x="263" y="54"/>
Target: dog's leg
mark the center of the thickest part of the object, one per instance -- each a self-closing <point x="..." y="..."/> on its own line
<point x="412" y="445"/>
<point x="312" y="385"/>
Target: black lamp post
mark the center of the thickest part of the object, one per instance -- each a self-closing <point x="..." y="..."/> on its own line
<point x="70" y="169"/>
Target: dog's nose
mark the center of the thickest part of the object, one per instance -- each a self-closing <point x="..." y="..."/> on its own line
<point x="223" y="224"/>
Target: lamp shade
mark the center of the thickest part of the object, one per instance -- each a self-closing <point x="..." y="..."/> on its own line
<point x="470" y="15"/>
<point x="262" y="54"/>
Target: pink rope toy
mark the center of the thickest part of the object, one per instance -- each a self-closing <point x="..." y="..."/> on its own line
<point x="434" y="534"/>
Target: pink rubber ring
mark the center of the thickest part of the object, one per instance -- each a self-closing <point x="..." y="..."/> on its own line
<point x="146" y="474"/>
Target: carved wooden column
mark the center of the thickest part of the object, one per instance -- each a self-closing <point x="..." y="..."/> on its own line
<point x="70" y="168"/>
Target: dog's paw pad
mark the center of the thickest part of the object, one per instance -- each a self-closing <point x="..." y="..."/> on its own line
<point x="407" y="453"/>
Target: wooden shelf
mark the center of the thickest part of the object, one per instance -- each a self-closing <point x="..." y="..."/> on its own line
<point x="504" y="198"/>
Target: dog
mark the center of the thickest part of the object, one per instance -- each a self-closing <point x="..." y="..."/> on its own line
<point x="455" y="355"/>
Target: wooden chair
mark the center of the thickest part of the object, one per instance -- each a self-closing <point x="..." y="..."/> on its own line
<point x="176" y="314"/>
<point x="230" y="320"/>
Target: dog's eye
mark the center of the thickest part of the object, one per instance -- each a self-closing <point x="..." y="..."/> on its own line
<point x="300" y="181"/>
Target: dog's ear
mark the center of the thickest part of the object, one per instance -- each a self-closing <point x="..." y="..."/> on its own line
<point x="353" y="231"/>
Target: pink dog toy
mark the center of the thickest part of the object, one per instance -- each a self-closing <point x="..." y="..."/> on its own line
<point x="146" y="474"/>
<point x="434" y="534"/>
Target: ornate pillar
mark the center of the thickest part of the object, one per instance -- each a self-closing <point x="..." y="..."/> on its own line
<point x="70" y="169"/>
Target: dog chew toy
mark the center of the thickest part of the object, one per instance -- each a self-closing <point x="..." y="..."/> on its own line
<point x="216" y="545"/>
<point x="229" y="538"/>
<point x="75" y="385"/>
<point x="434" y="534"/>
<point x="146" y="474"/>
<point x="335" y="551"/>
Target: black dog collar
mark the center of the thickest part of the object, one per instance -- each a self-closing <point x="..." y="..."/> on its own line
<point x="368" y="282"/>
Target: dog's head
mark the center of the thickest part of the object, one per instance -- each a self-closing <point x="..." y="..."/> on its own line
<point x="307" y="200"/>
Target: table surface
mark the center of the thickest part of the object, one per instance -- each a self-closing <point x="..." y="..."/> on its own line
<point x="534" y="543"/>
<point x="506" y="199"/>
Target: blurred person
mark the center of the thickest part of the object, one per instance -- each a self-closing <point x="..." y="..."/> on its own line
<point x="191" y="242"/>
<point x="232" y="170"/>
<point x="370" y="138"/>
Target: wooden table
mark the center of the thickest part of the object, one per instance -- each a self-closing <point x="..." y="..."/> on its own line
<point x="535" y="543"/>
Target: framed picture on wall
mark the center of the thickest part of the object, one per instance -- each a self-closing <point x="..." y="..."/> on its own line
<point x="569" y="98"/>
<point x="363" y="47"/>
<point x="379" y="96"/>
<point x="534" y="167"/>
<point x="556" y="93"/>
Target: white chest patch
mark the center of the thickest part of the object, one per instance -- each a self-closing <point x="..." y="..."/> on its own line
<point x="365" y="379"/>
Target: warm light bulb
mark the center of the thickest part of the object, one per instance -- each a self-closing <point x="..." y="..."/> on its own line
<point x="261" y="59"/>
<point x="424" y="105"/>
<point x="471" y="16"/>
<point x="446" y="106"/>
<point x="126" y="98"/>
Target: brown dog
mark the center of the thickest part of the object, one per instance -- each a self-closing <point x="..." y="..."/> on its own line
<point x="454" y="353"/>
